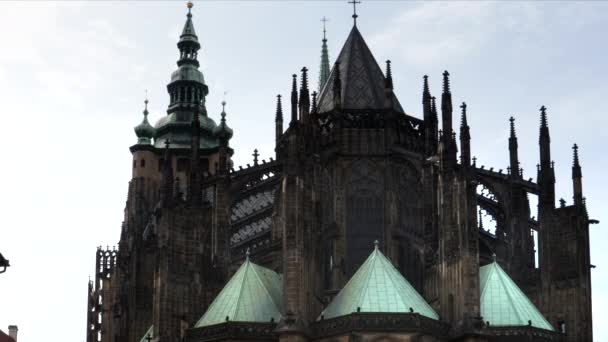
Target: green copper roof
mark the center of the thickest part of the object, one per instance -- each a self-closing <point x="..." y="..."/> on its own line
<point x="503" y="303"/>
<point x="144" y="131"/>
<point x="148" y="333"/>
<point x="253" y="294"/>
<point x="378" y="287"/>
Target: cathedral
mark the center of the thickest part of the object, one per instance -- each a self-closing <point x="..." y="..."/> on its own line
<point x="364" y="227"/>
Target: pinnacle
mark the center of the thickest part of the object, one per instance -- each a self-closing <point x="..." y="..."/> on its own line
<point x="446" y="82"/>
<point x="512" y="126"/>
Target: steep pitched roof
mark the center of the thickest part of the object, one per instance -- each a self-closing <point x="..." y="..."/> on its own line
<point x="361" y="77"/>
<point x="503" y="303"/>
<point x="378" y="287"/>
<point x="253" y="294"/>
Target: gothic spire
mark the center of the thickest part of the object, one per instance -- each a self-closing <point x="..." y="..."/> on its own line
<point x="446" y="106"/>
<point x="388" y="80"/>
<point x="294" y="99"/>
<point x="512" y="128"/>
<point x="463" y="117"/>
<point x="446" y="117"/>
<point x="576" y="166"/>
<point x="544" y="139"/>
<point x="304" y="95"/>
<point x="279" y="113"/>
<point x="278" y="121"/>
<point x="513" y="156"/>
<point x="577" y="176"/>
<point x="426" y="94"/>
<point x="324" y="72"/>
<point x="430" y="119"/>
<point x="546" y="173"/>
<point x="465" y="138"/>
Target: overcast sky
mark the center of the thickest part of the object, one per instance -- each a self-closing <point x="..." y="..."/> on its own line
<point x="73" y="76"/>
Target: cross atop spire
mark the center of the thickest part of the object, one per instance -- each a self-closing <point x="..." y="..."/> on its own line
<point x="355" y="16"/>
<point x="325" y="70"/>
<point x="324" y="20"/>
<point x="255" y="156"/>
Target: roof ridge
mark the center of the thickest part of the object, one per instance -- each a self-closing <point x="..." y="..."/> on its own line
<point x="264" y="285"/>
<point x="247" y="264"/>
<point x="368" y="274"/>
<point x="504" y="284"/>
<point x="401" y="294"/>
<point x="486" y="284"/>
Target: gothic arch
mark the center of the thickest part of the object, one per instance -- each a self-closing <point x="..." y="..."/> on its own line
<point x="364" y="211"/>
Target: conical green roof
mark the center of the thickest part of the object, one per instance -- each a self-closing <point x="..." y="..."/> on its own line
<point x="503" y="303"/>
<point x="377" y="286"/>
<point x="253" y="294"/>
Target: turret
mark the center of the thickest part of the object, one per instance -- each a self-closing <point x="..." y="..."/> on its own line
<point x="144" y="131"/>
<point x="513" y="157"/>
<point x="144" y="157"/>
<point x="223" y="133"/>
<point x="187" y="88"/>
<point x="465" y="138"/>
<point x="577" y="177"/>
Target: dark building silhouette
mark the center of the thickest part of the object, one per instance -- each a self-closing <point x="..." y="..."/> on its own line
<point x="284" y="249"/>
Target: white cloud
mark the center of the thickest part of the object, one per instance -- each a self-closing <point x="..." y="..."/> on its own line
<point x="432" y="32"/>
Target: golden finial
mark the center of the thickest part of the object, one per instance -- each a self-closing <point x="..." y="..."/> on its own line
<point x="189" y="4"/>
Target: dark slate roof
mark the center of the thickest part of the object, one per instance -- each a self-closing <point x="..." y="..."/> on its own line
<point x="361" y="76"/>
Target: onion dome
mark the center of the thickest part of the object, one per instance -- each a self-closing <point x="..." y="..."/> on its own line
<point x="223" y="131"/>
<point x="145" y="131"/>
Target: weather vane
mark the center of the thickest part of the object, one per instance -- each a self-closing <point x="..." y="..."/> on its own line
<point x="355" y="2"/>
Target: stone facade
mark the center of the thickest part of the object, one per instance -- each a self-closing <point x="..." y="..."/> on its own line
<point x="351" y="167"/>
